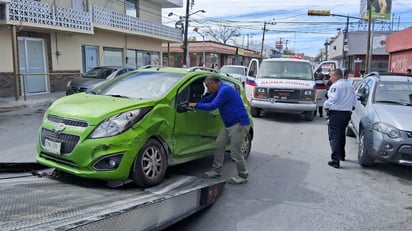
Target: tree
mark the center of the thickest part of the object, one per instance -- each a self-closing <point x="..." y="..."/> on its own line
<point x="223" y="33"/>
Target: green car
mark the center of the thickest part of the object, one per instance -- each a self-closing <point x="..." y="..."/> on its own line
<point x="133" y="127"/>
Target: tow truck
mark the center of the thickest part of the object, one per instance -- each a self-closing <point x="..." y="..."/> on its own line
<point x="35" y="198"/>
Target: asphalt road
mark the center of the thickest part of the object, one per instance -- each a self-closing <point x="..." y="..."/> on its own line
<point x="290" y="187"/>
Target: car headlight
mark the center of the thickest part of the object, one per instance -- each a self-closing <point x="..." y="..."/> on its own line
<point x="387" y="129"/>
<point x="119" y="123"/>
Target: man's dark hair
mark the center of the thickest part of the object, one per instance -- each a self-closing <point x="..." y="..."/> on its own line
<point x="213" y="78"/>
<point x="338" y="72"/>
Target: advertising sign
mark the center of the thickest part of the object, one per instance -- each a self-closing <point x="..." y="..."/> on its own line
<point x="381" y="9"/>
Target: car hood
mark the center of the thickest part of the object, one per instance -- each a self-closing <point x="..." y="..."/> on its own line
<point x="398" y="116"/>
<point x="92" y="108"/>
<point x="83" y="82"/>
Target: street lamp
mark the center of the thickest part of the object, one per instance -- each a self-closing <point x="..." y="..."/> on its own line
<point x="186" y="26"/>
<point x="196" y="29"/>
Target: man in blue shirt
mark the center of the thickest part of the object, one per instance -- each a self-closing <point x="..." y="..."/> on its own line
<point x="339" y="105"/>
<point x="237" y="125"/>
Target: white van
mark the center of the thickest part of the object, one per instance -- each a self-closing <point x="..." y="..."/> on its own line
<point x="284" y="85"/>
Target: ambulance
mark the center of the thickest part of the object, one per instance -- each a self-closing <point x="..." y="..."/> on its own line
<point x="284" y="85"/>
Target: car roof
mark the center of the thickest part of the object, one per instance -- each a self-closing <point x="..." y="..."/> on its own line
<point x="399" y="77"/>
<point x="286" y="59"/>
<point x="184" y="71"/>
<point x="233" y="66"/>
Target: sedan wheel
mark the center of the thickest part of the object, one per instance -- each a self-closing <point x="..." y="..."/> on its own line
<point x="246" y="146"/>
<point x="150" y="165"/>
<point x="363" y="157"/>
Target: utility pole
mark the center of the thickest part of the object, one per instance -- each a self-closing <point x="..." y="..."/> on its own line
<point x="263" y="37"/>
<point x="185" y="35"/>
<point x="367" y="63"/>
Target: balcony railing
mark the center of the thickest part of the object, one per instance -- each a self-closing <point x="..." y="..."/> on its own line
<point x="108" y="18"/>
<point x="42" y="15"/>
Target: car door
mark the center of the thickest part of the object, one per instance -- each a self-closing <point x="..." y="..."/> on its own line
<point x="195" y="131"/>
<point x="362" y="94"/>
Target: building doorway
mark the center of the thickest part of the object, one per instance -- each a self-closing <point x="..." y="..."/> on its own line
<point x="32" y="66"/>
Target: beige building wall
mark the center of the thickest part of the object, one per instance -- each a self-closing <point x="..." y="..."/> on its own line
<point x="6" y="57"/>
<point x="69" y="46"/>
<point x="150" y="11"/>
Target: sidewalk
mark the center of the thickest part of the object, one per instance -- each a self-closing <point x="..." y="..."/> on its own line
<point x="11" y="104"/>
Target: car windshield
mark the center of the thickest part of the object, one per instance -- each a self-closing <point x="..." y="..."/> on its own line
<point x="139" y="85"/>
<point x="99" y="72"/>
<point x="394" y="93"/>
<point x="285" y="70"/>
<point x="233" y="70"/>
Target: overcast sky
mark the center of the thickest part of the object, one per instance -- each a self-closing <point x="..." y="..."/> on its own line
<point x="304" y="34"/>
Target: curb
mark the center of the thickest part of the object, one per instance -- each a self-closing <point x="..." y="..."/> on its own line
<point x="11" y="108"/>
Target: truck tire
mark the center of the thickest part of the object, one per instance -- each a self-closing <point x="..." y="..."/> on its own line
<point x="255" y="111"/>
<point x="309" y="115"/>
<point x="150" y="164"/>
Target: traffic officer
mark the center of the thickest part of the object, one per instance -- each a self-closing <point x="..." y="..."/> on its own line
<point x="339" y="105"/>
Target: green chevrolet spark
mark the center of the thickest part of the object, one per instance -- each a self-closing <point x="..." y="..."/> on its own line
<point x="133" y="127"/>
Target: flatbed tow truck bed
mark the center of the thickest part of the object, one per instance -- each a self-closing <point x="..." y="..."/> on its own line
<point x="39" y="201"/>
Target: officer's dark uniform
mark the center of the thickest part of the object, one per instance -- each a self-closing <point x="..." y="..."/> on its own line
<point x="341" y="101"/>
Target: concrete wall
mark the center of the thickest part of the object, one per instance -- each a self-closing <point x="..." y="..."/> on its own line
<point x="6" y="57"/>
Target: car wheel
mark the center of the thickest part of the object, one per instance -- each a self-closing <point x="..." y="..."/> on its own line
<point x="349" y="132"/>
<point x="246" y="146"/>
<point x="255" y="111"/>
<point x="309" y="116"/>
<point x="363" y="157"/>
<point x="150" y="164"/>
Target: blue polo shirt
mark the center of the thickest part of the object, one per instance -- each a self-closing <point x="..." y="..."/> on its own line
<point x="229" y="103"/>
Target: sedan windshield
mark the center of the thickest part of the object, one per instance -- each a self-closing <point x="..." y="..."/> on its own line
<point x="99" y="72"/>
<point x="394" y="93"/>
<point x="139" y="85"/>
<point x="285" y="70"/>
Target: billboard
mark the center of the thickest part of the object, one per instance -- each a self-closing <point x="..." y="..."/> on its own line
<point x="381" y="9"/>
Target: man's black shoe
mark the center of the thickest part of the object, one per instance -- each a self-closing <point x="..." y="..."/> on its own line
<point x="342" y="158"/>
<point x="334" y="164"/>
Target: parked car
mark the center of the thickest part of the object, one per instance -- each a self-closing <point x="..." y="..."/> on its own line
<point x="133" y="127"/>
<point x="93" y="77"/>
<point x="381" y="120"/>
<point x="354" y="81"/>
<point x="238" y="72"/>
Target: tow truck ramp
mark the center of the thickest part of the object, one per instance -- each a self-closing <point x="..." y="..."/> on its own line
<point x="30" y="202"/>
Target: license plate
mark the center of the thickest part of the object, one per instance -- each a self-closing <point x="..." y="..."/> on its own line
<point x="52" y="147"/>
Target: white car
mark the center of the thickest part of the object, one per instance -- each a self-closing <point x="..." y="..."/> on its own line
<point x="238" y="72"/>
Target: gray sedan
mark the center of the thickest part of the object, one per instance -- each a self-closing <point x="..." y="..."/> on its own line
<point x="382" y="119"/>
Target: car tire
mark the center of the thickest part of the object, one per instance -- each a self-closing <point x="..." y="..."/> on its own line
<point x="246" y="146"/>
<point x="363" y="157"/>
<point x="309" y="115"/>
<point x="150" y="164"/>
<point x="349" y="132"/>
<point x="255" y="112"/>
